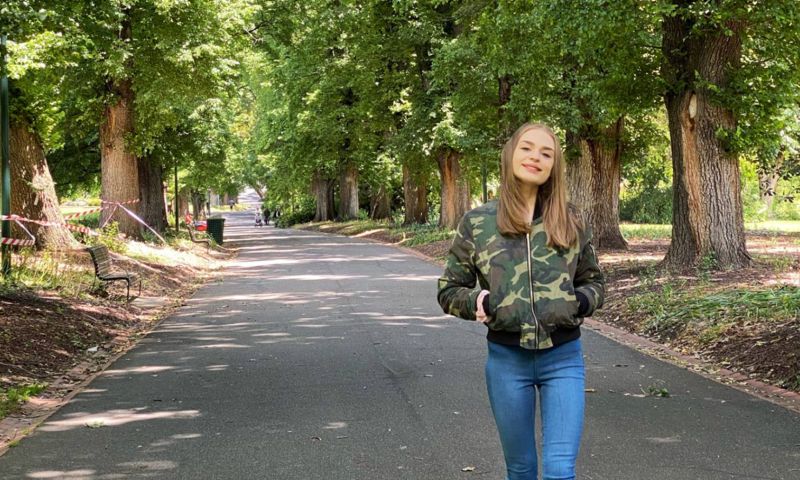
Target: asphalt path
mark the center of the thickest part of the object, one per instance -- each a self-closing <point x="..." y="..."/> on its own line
<point x="323" y="357"/>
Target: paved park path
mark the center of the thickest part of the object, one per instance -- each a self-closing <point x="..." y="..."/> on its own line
<point x="324" y="357"/>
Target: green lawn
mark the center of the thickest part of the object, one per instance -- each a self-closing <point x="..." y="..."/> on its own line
<point x="663" y="232"/>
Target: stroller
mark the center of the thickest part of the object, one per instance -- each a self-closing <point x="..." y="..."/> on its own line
<point x="259" y="222"/>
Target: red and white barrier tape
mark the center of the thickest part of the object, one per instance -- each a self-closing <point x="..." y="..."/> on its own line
<point x="71" y="226"/>
<point x="70" y="216"/>
<point x="15" y="241"/>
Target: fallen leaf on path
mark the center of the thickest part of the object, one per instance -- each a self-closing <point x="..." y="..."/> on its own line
<point x="590" y="390"/>
<point x="468" y="469"/>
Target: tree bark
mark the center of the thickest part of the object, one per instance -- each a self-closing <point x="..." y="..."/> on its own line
<point x="322" y="188"/>
<point x="708" y="219"/>
<point x="594" y="179"/>
<point x="198" y="211"/>
<point x="152" y="208"/>
<point x="380" y="203"/>
<point x="184" y="201"/>
<point x="455" y="188"/>
<point x="415" y="193"/>
<point x="33" y="193"/>
<point x="119" y="168"/>
<point x="348" y="192"/>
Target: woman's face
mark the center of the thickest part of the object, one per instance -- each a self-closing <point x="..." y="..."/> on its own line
<point x="534" y="156"/>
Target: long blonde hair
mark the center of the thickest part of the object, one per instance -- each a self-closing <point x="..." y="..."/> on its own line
<point x="560" y="222"/>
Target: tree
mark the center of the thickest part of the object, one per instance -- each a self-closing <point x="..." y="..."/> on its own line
<point x="33" y="194"/>
<point x="704" y="70"/>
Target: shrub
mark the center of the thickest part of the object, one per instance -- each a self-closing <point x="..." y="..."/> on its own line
<point x="299" y="216"/>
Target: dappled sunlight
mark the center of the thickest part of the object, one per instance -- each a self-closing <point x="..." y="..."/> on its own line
<point x="414" y="317"/>
<point x="221" y="345"/>
<point x="318" y="277"/>
<point x="217" y="368"/>
<point x="623" y="257"/>
<point x="176" y="327"/>
<point x="127" y="371"/>
<point x="299" y="340"/>
<point x="113" y="418"/>
<point x="80" y="473"/>
<point x="153" y="465"/>
<point x="172" y="439"/>
<point x="335" y="425"/>
<point x="407" y="277"/>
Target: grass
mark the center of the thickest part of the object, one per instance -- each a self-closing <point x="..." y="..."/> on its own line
<point x="672" y="307"/>
<point x="774" y="226"/>
<point x="12" y="398"/>
<point x="48" y="270"/>
<point x="646" y="231"/>
<point x="664" y="232"/>
<point x="413" y="234"/>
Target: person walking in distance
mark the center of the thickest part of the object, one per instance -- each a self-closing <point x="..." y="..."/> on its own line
<point x="530" y="251"/>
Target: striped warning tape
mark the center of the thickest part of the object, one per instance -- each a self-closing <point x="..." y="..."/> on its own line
<point x="70" y="216"/>
<point x="70" y="226"/>
<point x="16" y="241"/>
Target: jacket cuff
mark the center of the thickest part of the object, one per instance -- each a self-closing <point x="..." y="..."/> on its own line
<point x="590" y="297"/>
<point x="487" y="308"/>
<point x="584" y="306"/>
<point x="472" y="306"/>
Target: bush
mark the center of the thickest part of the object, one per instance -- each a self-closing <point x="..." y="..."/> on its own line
<point x="110" y="237"/>
<point x="647" y="204"/>
<point x="302" y="215"/>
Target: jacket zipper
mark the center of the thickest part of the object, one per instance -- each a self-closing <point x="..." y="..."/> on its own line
<point x="530" y="283"/>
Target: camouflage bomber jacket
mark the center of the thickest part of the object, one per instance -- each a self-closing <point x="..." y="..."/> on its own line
<point x="519" y="272"/>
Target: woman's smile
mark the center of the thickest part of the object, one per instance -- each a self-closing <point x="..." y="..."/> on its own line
<point x="531" y="168"/>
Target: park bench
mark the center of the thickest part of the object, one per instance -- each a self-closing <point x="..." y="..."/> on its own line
<point x="103" y="271"/>
<point x="190" y="226"/>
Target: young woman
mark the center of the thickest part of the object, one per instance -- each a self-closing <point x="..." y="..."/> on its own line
<point x="532" y="256"/>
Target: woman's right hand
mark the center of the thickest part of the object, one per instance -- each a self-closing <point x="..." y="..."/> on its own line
<point x="480" y="314"/>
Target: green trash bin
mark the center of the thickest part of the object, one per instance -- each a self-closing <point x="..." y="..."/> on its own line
<point x="216" y="225"/>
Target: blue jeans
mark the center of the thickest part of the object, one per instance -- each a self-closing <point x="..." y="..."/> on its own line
<point x="512" y="376"/>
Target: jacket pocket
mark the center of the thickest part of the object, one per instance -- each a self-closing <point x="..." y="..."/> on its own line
<point x="558" y="310"/>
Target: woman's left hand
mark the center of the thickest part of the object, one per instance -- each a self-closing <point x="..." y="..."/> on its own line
<point x="480" y="315"/>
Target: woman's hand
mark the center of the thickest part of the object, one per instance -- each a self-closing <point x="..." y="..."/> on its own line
<point x="480" y="315"/>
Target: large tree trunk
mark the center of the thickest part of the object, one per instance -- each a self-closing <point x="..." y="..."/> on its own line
<point x="380" y="203"/>
<point x="119" y="168"/>
<point x="184" y="201"/>
<point x="152" y="208"/>
<point x="415" y="193"/>
<point x="707" y="219"/>
<point x="594" y="178"/>
<point x="455" y="188"/>
<point x="198" y="211"/>
<point x="322" y="188"/>
<point x="33" y="193"/>
<point x="348" y="192"/>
